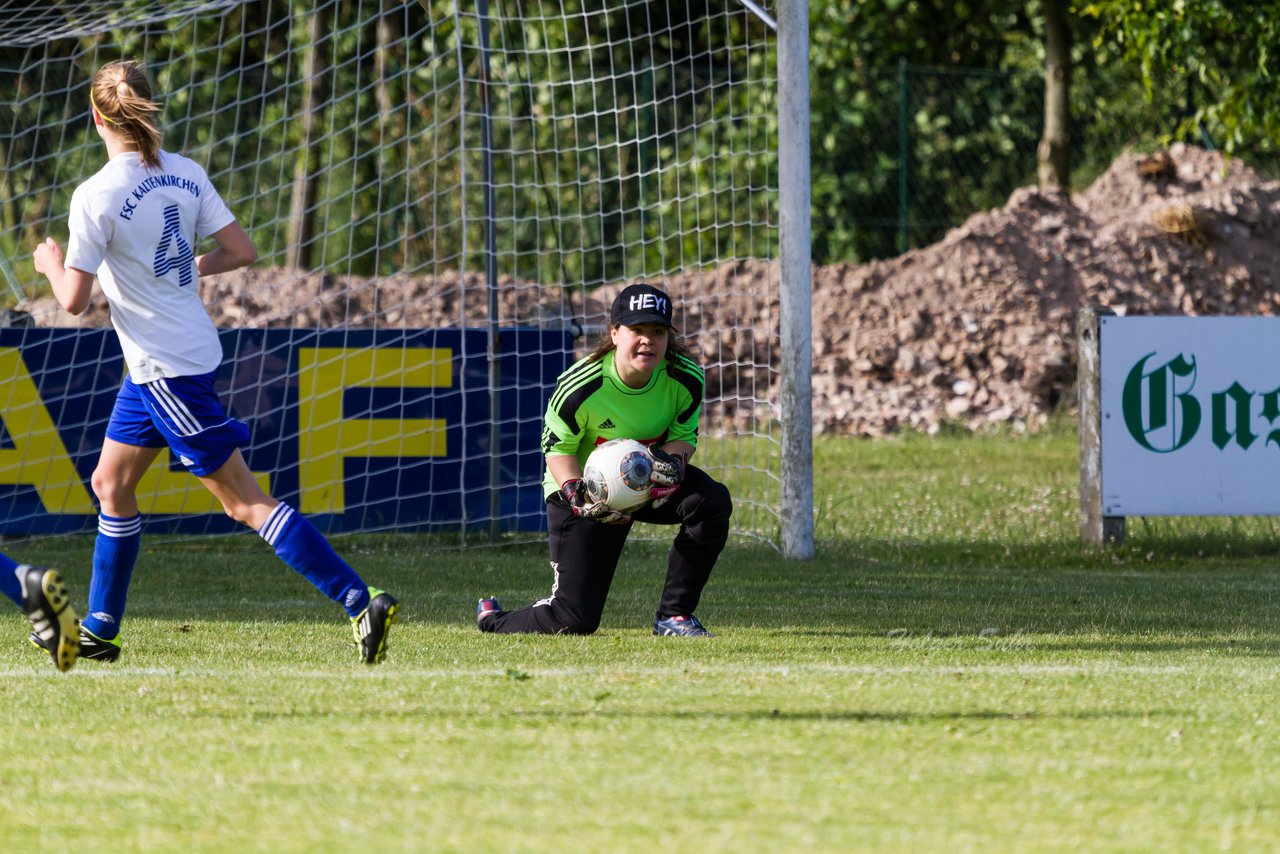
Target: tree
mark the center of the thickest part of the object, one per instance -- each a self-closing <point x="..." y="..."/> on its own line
<point x="1054" y="153"/>
<point x="315" y="94"/>
<point x="1215" y="54"/>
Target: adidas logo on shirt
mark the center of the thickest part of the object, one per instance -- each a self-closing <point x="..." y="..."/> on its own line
<point x="607" y="424"/>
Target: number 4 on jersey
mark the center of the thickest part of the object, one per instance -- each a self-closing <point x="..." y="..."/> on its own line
<point x="183" y="261"/>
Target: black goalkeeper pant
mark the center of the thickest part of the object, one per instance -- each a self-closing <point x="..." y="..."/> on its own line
<point x="584" y="557"/>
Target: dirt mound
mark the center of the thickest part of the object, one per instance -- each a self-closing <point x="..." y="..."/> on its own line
<point x="977" y="329"/>
<point x="980" y="327"/>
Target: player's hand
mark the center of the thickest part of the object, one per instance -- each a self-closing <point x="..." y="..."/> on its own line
<point x="48" y="257"/>
<point x="666" y="477"/>
<point x="575" y="492"/>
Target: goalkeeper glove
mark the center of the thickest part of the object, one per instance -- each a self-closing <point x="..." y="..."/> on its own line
<point x="666" y="477"/>
<point x="575" y="492"/>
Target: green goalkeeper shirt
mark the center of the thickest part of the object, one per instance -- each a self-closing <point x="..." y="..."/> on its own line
<point x="592" y="405"/>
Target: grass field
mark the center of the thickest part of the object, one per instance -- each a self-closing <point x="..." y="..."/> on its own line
<point x="953" y="672"/>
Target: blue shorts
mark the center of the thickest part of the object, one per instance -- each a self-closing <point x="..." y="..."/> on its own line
<point x="183" y="413"/>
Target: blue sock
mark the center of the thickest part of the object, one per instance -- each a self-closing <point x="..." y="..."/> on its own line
<point x="114" y="554"/>
<point x="299" y="544"/>
<point x="9" y="583"/>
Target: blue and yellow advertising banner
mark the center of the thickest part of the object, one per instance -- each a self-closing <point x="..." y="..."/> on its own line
<point x="360" y="430"/>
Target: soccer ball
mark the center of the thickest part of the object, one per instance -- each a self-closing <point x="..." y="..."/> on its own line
<point x="617" y="473"/>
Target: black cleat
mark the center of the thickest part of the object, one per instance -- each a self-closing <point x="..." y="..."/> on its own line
<point x="485" y="609"/>
<point x="373" y="624"/>
<point x="48" y="606"/>
<point x="92" y="647"/>
<point x="683" y="627"/>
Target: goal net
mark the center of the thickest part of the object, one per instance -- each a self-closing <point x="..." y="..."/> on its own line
<point x="445" y="197"/>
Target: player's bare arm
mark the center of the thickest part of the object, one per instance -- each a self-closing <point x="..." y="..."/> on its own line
<point x="564" y="467"/>
<point x="235" y="250"/>
<point x="71" y="287"/>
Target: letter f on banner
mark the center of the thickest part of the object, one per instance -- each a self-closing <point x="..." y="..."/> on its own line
<point x="1169" y="412"/>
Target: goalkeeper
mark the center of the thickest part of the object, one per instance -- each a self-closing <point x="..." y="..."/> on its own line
<point x="134" y="225"/>
<point x="639" y="383"/>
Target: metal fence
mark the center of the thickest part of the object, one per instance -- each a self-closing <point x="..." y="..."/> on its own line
<point x="918" y="149"/>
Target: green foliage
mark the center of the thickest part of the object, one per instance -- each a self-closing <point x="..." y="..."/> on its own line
<point x="923" y="113"/>
<point x="632" y="150"/>
<point x="1215" y="57"/>
<point x="626" y="140"/>
<point x="917" y="124"/>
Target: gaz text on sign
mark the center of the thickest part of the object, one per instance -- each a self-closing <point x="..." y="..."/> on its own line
<point x="1190" y="416"/>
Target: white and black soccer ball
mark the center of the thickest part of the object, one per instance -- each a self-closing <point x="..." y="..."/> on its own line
<point x="617" y="473"/>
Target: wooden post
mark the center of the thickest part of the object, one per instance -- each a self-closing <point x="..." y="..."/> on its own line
<point x="1094" y="527"/>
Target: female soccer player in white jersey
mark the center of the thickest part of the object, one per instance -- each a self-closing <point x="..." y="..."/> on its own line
<point x="639" y="383"/>
<point x="135" y="224"/>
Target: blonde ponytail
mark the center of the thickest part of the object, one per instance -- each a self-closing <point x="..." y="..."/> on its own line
<point x="122" y="96"/>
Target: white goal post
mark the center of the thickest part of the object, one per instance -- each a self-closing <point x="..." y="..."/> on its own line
<point x="796" y="337"/>
<point x="444" y="196"/>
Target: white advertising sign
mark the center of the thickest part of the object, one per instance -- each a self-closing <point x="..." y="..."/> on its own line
<point x="1190" y="416"/>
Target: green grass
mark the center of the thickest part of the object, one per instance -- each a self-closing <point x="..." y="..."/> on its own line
<point x="954" y="671"/>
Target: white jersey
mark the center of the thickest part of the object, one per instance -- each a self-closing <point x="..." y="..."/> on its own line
<point x="136" y="229"/>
